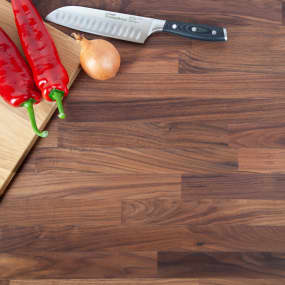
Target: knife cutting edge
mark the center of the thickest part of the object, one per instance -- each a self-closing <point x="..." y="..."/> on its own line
<point x="129" y="27"/>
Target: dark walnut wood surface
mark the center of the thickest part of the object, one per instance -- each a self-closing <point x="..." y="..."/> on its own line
<point x="171" y="173"/>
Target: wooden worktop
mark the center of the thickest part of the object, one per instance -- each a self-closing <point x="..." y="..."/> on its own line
<point x="174" y="170"/>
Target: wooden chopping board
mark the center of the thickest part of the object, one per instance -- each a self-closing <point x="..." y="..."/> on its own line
<point x="16" y="135"/>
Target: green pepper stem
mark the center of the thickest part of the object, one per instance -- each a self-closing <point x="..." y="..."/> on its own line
<point x="29" y="106"/>
<point x="57" y="95"/>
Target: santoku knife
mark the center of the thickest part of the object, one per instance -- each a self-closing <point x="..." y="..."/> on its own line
<point x="128" y="27"/>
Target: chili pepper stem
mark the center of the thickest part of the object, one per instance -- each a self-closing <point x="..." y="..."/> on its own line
<point x="29" y="106"/>
<point x="57" y="95"/>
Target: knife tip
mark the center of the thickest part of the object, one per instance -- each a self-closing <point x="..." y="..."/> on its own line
<point x="225" y="34"/>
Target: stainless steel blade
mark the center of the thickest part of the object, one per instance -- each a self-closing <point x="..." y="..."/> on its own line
<point x="105" y="23"/>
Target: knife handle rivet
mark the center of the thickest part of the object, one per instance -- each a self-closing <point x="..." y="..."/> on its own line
<point x="194" y="29"/>
<point x="214" y="32"/>
<point x="174" y="26"/>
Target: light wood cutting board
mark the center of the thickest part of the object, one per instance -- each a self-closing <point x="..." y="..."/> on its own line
<point x="16" y="135"/>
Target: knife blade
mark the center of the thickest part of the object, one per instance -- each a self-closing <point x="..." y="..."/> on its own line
<point x="129" y="27"/>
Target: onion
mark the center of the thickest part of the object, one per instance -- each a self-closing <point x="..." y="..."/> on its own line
<point x="98" y="58"/>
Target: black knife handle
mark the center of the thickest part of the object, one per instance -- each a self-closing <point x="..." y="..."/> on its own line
<point x="195" y="31"/>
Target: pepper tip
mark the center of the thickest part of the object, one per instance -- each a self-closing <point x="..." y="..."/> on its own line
<point x="61" y="116"/>
<point x="44" y="134"/>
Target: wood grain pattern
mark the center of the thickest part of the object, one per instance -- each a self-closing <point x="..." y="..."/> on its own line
<point x="170" y="173"/>
<point x="257" y="134"/>
<point x="129" y="281"/>
<point x="168" y="87"/>
<point x="215" y="265"/>
<point x="261" y="160"/>
<point x="139" y="160"/>
<point x="91" y="239"/>
<point x="77" y="185"/>
<point x="203" y="212"/>
<point x="259" y="43"/>
<point x="236" y="185"/>
<point x="127" y="238"/>
<point x="93" y="265"/>
<point x="17" y="136"/>
<point x="161" y="133"/>
<point x="182" y="281"/>
<point x="240" y="281"/>
<point x="35" y="212"/>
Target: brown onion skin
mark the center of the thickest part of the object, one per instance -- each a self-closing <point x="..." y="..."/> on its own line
<point x="99" y="58"/>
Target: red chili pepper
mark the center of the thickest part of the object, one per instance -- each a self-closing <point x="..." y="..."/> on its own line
<point x="49" y="74"/>
<point x="16" y="80"/>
